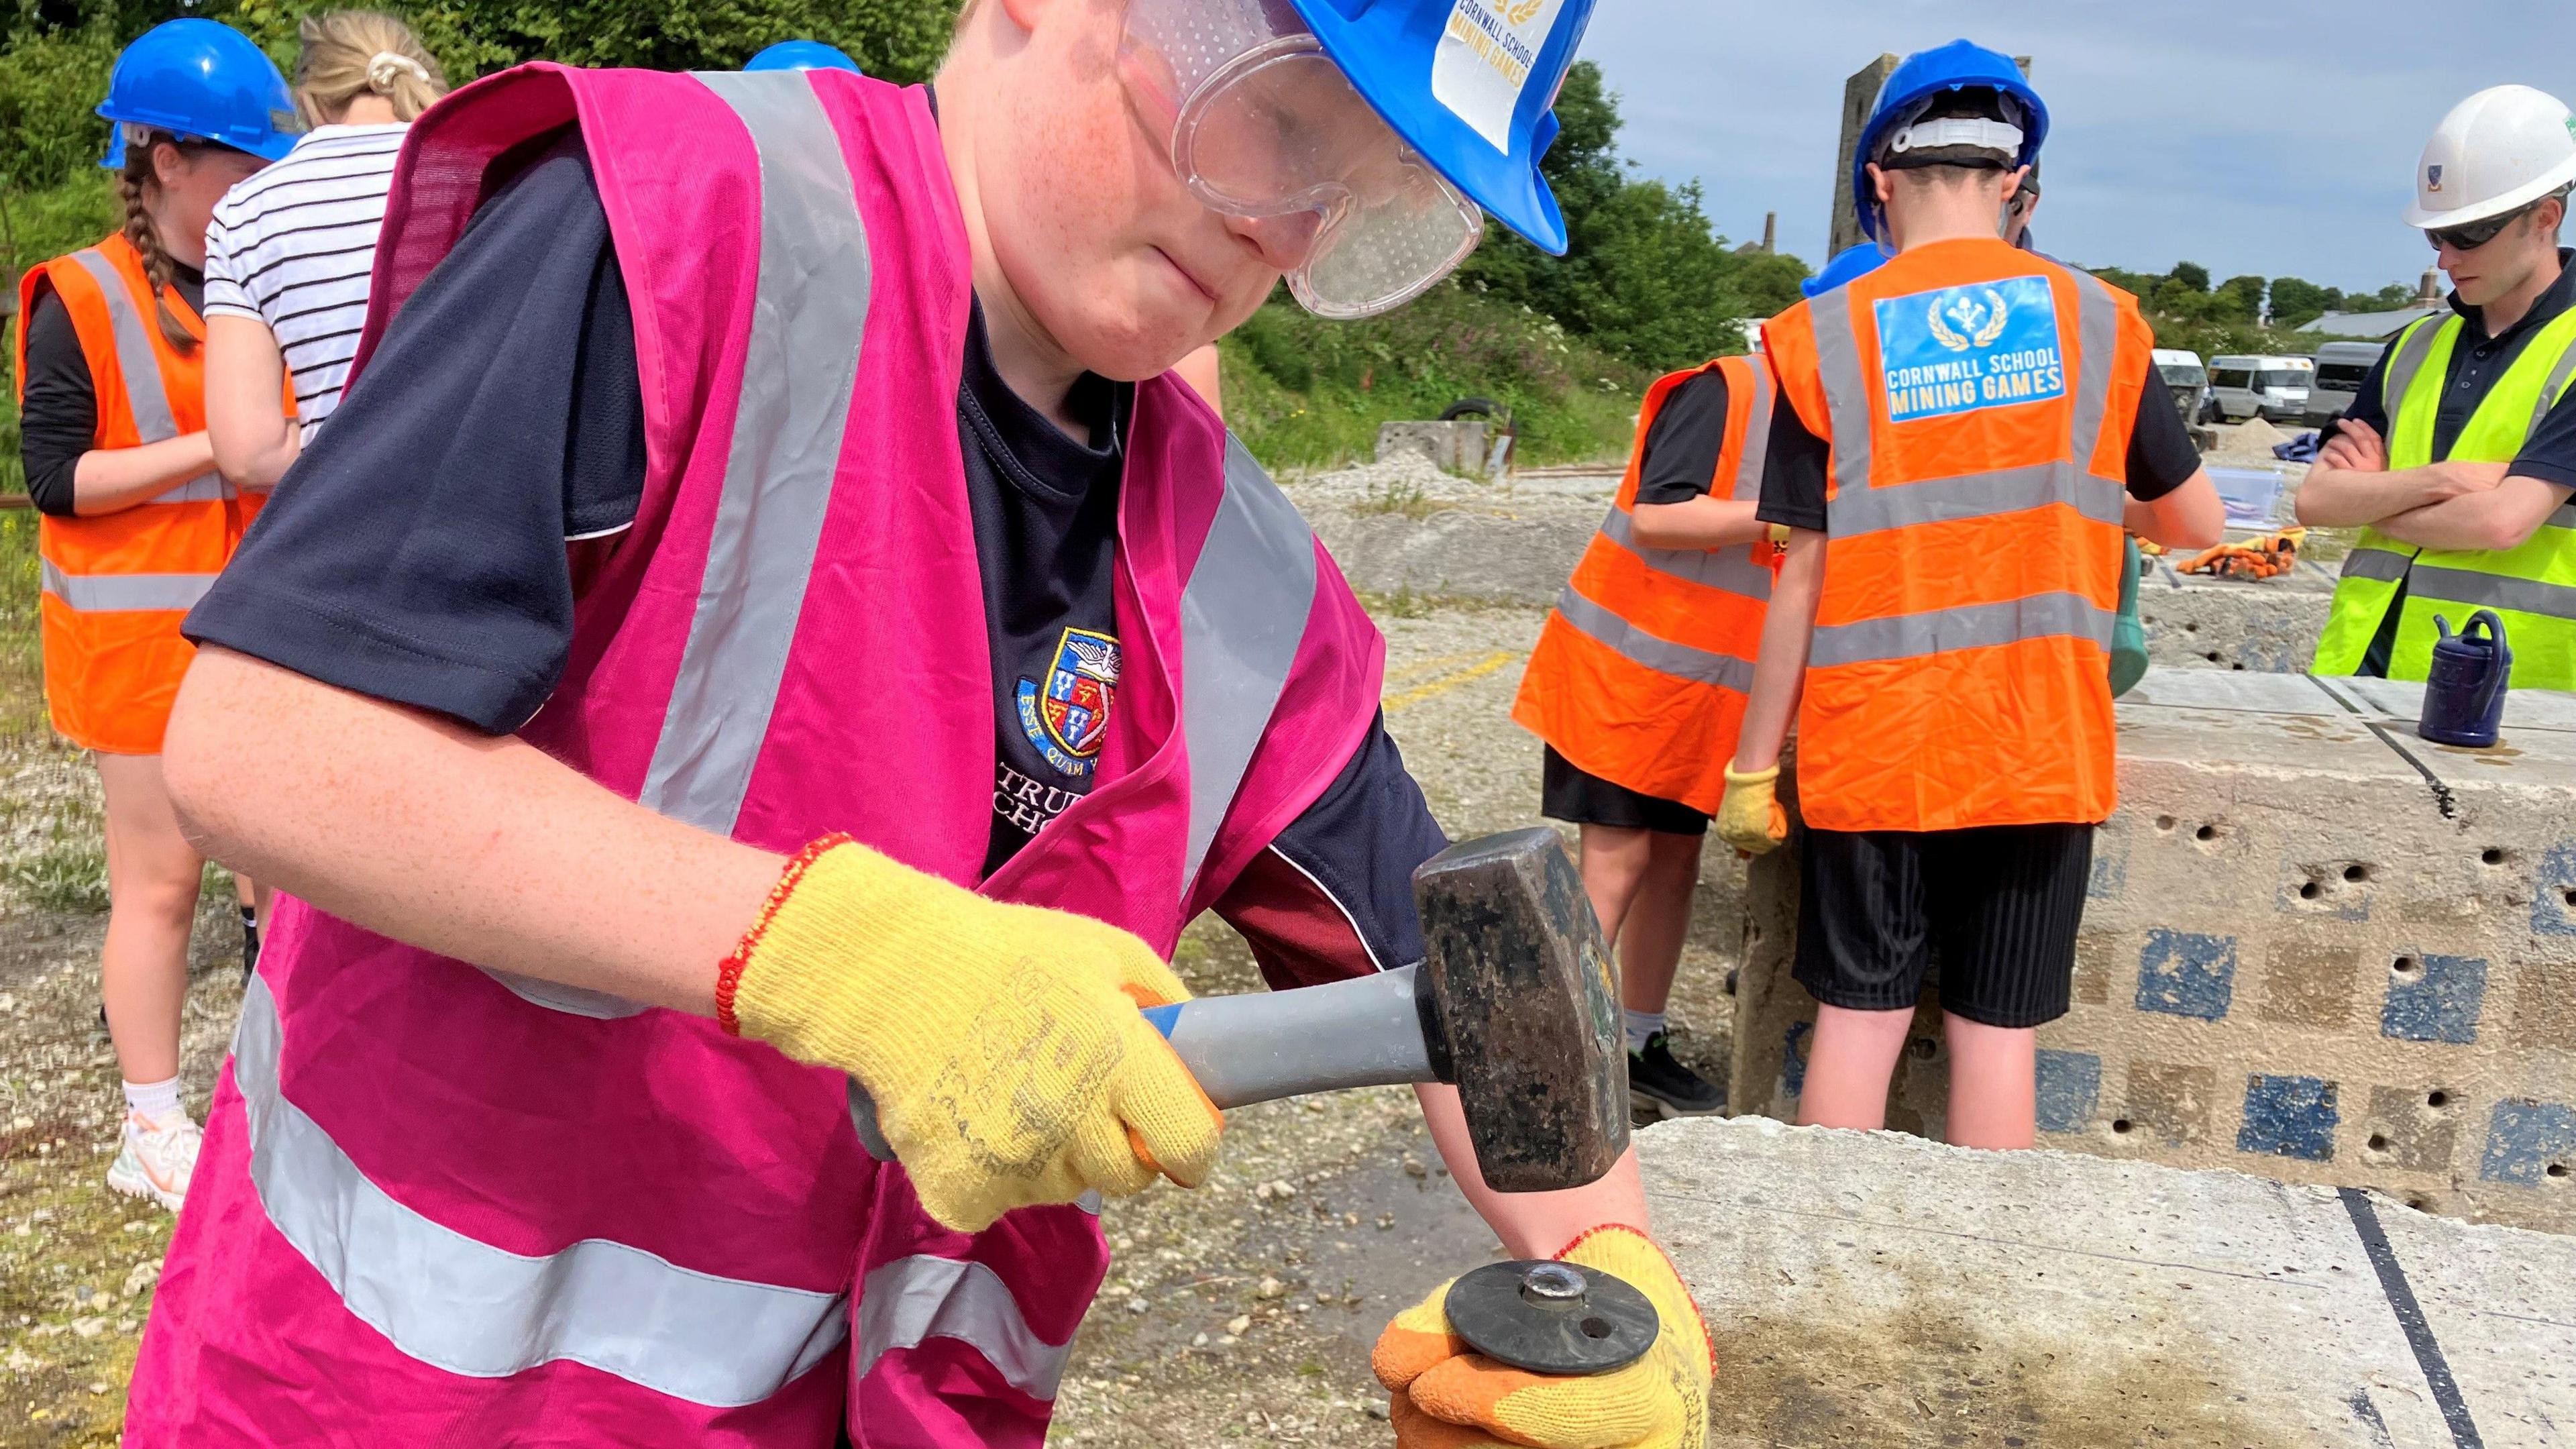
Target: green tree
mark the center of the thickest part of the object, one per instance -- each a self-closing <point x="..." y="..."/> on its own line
<point x="1645" y="278"/>
<point x="2296" y="301"/>
<point x="2190" y="276"/>
<point x="2240" y="299"/>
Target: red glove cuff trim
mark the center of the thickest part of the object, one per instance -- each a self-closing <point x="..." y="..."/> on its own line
<point x="729" y="974"/>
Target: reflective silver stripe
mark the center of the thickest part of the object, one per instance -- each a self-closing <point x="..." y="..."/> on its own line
<point x="1242" y="616"/>
<point x="2412" y="351"/>
<point x="148" y="394"/>
<point x="1848" y="405"/>
<point x="1757" y="437"/>
<point x="2097" y="335"/>
<point x="2552" y="389"/>
<point x="2490" y="591"/>
<point x="1728" y="570"/>
<point x="1660" y="655"/>
<point x="799" y="366"/>
<point x="204" y="488"/>
<point x="124" y="593"/>
<point x="1974" y="495"/>
<point x="2377" y="564"/>
<point x="1969" y="626"/>
<point x="469" y="1308"/>
<point x="911" y="1300"/>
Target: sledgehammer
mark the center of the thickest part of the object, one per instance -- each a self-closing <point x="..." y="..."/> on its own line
<point x="1513" y="1003"/>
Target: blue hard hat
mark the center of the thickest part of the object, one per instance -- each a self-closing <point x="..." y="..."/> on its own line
<point x="803" y="55"/>
<point x="1960" y="65"/>
<point x="203" y="80"/>
<point x="1468" y="83"/>
<point x="1848" y="266"/>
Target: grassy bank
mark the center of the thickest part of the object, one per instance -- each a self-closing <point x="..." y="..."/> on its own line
<point x="1304" y="392"/>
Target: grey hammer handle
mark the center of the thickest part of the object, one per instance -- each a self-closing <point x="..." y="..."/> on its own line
<point x="1264" y="1045"/>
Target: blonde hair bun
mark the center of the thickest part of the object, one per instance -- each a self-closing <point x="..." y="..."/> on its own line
<point x="386" y="68"/>
<point x="354" y="53"/>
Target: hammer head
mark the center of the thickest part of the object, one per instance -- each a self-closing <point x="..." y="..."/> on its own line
<point x="1520" y="1010"/>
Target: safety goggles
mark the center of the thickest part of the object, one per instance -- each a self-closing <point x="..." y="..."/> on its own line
<point x="2471" y="235"/>
<point x="1264" y="127"/>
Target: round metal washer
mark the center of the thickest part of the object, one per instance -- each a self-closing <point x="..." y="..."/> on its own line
<point x="1523" y="1315"/>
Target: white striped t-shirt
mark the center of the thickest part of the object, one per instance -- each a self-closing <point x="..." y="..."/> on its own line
<point x="293" y="246"/>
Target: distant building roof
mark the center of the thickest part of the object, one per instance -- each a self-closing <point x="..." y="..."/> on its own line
<point x="2371" y="326"/>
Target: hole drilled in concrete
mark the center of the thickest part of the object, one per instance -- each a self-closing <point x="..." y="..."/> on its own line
<point x="2557" y="1169"/>
<point x="2356" y="872"/>
<point x="2420" y="1205"/>
<point x="2310" y="891"/>
<point x="2121" y="1126"/>
<point x="2191" y="628"/>
<point x="2491" y="856"/>
<point x="2568" y="896"/>
<point x="2164" y="822"/>
<point x="2238" y="666"/>
<point x="2210" y="832"/>
<point x="2406" y="966"/>
<point x="2437" y="1099"/>
<point x="2378" y="1143"/>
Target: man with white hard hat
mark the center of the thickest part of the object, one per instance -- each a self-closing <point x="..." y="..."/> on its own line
<point x="2459" y="453"/>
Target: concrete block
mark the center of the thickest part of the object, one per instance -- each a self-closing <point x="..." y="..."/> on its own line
<point x="2316" y="947"/>
<point x="1523" y="557"/>
<point x="1870" y="1289"/>
<point x="2267" y="626"/>
<point x="1458" y="446"/>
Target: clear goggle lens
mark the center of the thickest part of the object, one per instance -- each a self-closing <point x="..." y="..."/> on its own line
<point x="1262" y="126"/>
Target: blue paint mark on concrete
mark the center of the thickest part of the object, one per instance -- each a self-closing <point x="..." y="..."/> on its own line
<point x="2184" y="973"/>
<point x="2552" y="914"/>
<point x="2070" y="1083"/>
<point x="2110" y="866"/>
<point x="2525" y="1138"/>
<point x="1793" y="1057"/>
<point x="2439" y="1001"/>
<point x="2289" y="1117"/>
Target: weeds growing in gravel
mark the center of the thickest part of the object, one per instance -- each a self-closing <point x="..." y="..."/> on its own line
<point x="68" y="875"/>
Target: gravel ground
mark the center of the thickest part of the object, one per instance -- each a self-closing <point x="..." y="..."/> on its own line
<point x="1242" y="1311"/>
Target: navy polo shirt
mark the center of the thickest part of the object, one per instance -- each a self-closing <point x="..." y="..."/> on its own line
<point x="2478" y="362"/>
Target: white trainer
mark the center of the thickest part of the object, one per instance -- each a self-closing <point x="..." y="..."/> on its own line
<point x="157" y="1159"/>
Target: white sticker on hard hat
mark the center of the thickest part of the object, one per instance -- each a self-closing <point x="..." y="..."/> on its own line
<point x="1959" y="349"/>
<point x="1485" y="58"/>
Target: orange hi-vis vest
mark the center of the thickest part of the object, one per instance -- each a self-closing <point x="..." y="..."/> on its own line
<point x="116" y="585"/>
<point x="1979" y="401"/>
<point x="1641" y="672"/>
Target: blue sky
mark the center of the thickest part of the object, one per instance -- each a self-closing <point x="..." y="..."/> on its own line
<point x="2276" y="137"/>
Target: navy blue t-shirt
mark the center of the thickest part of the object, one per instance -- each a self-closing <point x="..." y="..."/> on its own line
<point x="428" y="547"/>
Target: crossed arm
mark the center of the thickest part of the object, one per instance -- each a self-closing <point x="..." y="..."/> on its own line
<point x="2440" y="505"/>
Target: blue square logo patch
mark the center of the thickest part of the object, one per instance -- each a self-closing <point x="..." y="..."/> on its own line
<point x="1960" y="349"/>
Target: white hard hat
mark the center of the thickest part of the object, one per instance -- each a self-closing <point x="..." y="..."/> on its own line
<point x="2500" y="149"/>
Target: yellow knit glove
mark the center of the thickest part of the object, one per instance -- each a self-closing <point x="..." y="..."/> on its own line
<point x="1750" y="817"/>
<point x="1002" y="1043"/>
<point x="1447" y="1397"/>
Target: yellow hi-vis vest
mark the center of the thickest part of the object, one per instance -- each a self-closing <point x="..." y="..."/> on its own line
<point x="2531" y="587"/>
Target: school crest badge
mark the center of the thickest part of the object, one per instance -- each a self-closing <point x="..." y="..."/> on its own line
<point x="1068" y="718"/>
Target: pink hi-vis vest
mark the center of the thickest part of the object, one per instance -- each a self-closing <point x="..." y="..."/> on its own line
<point x="440" y="1206"/>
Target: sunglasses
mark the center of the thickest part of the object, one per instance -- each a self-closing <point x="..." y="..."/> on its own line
<point x="2475" y="234"/>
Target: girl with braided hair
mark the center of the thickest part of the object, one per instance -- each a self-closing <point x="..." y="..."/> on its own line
<point x="111" y="358"/>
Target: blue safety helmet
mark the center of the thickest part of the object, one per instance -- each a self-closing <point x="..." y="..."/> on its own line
<point x="803" y="55"/>
<point x="1960" y="65"/>
<point x="201" y="80"/>
<point x="1850" y="265"/>
<point x="1479" y="111"/>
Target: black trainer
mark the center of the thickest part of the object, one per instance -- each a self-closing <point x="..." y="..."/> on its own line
<point x="250" y="945"/>
<point x="1660" y="1087"/>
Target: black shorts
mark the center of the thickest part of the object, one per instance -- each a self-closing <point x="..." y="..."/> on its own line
<point x="1568" y="794"/>
<point x="1997" y="907"/>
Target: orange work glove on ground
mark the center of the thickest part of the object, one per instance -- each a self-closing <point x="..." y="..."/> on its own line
<point x="1447" y="1397"/>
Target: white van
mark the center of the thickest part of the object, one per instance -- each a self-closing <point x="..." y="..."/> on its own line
<point x="2273" y="388"/>
<point x="2182" y="373"/>
<point x="2340" y="368"/>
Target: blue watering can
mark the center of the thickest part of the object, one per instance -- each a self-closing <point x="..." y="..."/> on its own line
<point x="2464" y="692"/>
